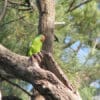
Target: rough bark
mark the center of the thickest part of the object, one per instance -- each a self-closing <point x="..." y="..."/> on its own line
<point x="51" y="65"/>
<point x="46" y="22"/>
<point x="42" y="72"/>
<point x="43" y="80"/>
<point x="46" y="26"/>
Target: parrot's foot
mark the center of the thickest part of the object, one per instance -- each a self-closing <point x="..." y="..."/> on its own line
<point x="37" y="57"/>
<point x="40" y="54"/>
<point x="31" y="60"/>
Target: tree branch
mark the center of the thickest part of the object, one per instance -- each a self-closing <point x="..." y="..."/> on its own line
<point x="94" y="43"/>
<point x="16" y="85"/>
<point x="77" y="6"/>
<point x="16" y="3"/>
<point x="4" y="10"/>
<point x="71" y="5"/>
<point x="17" y="19"/>
<point x="43" y="80"/>
<point x="28" y="4"/>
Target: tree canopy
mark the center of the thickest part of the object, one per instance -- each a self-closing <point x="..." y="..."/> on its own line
<point x="76" y="26"/>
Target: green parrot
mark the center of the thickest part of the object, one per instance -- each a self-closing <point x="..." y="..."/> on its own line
<point x="36" y="45"/>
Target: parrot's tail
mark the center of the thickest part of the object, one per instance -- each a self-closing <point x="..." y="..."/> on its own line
<point x="27" y="50"/>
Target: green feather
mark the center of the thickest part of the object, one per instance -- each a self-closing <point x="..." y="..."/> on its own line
<point x="35" y="46"/>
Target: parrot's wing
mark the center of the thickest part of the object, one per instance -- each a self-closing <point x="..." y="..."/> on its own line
<point x="35" y="46"/>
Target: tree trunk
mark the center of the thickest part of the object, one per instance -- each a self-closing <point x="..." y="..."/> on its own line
<point x="46" y="22"/>
<point x="44" y="74"/>
<point x="46" y="26"/>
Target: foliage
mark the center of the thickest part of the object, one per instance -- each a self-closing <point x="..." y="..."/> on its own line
<point x="81" y="24"/>
<point x="87" y="93"/>
<point x="8" y="89"/>
<point x="18" y="33"/>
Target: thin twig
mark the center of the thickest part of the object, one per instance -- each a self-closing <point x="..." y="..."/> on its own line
<point x="16" y="3"/>
<point x="32" y="5"/>
<point x="25" y="9"/>
<point x="77" y="6"/>
<point x="16" y="85"/>
<point x="71" y="5"/>
<point x="4" y="10"/>
<point x="22" y="17"/>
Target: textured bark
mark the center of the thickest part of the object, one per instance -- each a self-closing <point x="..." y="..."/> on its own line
<point x="52" y="66"/>
<point x="46" y="22"/>
<point x="41" y="70"/>
<point x="43" y="80"/>
<point x="46" y="26"/>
